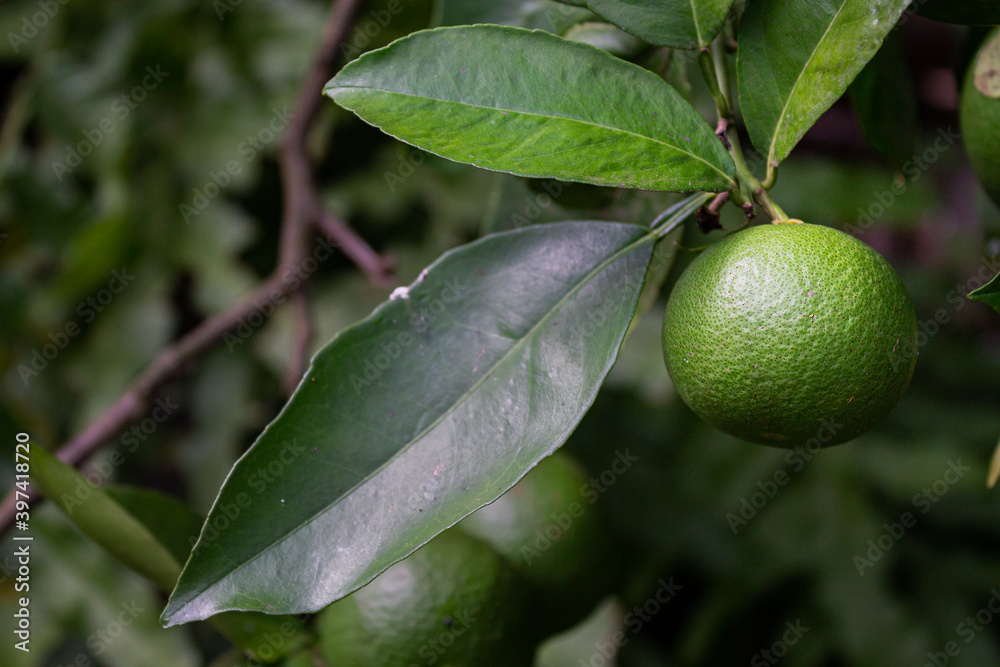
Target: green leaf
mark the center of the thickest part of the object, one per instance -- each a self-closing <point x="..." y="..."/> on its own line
<point x="533" y="104"/>
<point x="886" y="103"/>
<point x="963" y="12"/>
<point x="797" y="57"/>
<point x="409" y="421"/>
<point x="989" y="293"/>
<point x="171" y="522"/>
<point x="102" y="519"/>
<point x="175" y="526"/>
<point x="150" y="533"/>
<point x="95" y="251"/>
<point x="683" y="24"/>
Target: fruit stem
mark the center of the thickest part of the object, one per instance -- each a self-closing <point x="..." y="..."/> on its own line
<point x="746" y="188"/>
<point x="772" y="208"/>
<point x="710" y="71"/>
<point x="772" y="176"/>
<point x="746" y="182"/>
<point x="719" y="53"/>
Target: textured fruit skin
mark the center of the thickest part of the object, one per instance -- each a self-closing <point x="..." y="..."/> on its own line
<point x="543" y="526"/>
<point x="555" y="537"/>
<point x="452" y="603"/>
<point x="790" y="334"/>
<point x="979" y="116"/>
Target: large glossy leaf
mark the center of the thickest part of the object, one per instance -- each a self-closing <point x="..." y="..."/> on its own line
<point x="685" y="24"/>
<point x="429" y="409"/>
<point x="886" y="103"/>
<point x="533" y="104"/>
<point x="797" y="57"/>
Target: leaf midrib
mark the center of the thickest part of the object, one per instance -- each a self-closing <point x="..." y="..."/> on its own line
<point x="540" y="115"/>
<point x="697" y="24"/>
<point x="649" y="236"/>
<point x="798" y="79"/>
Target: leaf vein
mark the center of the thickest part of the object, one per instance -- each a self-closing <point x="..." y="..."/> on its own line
<point x="528" y="335"/>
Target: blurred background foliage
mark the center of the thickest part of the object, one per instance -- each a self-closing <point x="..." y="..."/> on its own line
<point x="225" y="71"/>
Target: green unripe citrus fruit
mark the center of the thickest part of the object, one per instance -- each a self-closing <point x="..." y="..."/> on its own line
<point x="453" y="603"/>
<point x="790" y="334"/>
<point x="554" y="536"/>
<point x="979" y="114"/>
<point x="543" y="526"/>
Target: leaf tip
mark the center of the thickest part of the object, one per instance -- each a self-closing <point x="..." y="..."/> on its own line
<point x="167" y="618"/>
<point x="179" y="613"/>
<point x="184" y="608"/>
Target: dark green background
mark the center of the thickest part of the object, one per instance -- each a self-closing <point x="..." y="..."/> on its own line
<point x="228" y="67"/>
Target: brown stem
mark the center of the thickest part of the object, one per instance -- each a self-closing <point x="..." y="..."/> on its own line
<point x="716" y="205"/>
<point x="378" y="268"/>
<point x="299" y="361"/>
<point x="170" y="361"/>
<point x="722" y="132"/>
<point x="300" y="214"/>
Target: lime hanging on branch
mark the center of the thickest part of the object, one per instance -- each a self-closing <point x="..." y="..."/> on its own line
<point x="552" y="533"/>
<point x="453" y="602"/>
<point x="980" y="114"/>
<point x="784" y="334"/>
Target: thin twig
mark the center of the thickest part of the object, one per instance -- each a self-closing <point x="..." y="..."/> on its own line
<point x="721" y="131"/>
<point x="708" y="216"/>
<point x="299" y="215"/>
<point x="299" y="361"/>
<point x="718" y="202"/>
<point x="378" y="268"/>
<point x="133" y="403"/>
